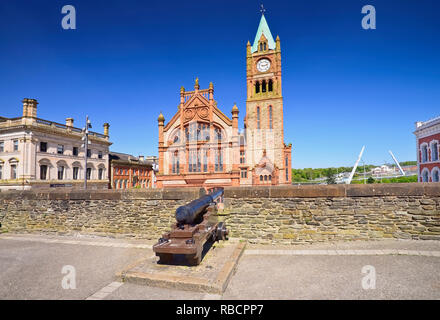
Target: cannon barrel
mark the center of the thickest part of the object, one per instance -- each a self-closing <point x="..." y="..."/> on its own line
<point x="188" y="213"/>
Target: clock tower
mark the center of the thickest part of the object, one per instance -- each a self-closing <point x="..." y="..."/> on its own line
<point x="267" y="157"/>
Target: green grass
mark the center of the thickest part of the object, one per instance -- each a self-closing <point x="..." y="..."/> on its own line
<point x="390" y="180"/>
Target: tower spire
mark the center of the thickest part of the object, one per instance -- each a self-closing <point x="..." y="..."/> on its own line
<point x="262" y="10"/>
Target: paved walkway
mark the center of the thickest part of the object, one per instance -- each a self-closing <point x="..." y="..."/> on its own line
<point x="32" y="268"/>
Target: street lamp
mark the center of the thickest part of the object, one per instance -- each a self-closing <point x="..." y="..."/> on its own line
<point x="85" y="145"/>
<point x="364" y="171"/>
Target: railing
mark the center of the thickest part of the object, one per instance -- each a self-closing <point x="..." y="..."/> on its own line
<point x="187" y="96"/>
<point x="64" y="127"/>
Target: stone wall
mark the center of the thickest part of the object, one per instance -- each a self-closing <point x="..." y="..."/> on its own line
<point x="292" y="214"/>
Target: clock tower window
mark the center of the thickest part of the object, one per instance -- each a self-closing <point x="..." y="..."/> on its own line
<point x="263" y="86"/>
<point x="257" y="87"/>
<point x="270" y="85"/>
<point x="258" y="117"/>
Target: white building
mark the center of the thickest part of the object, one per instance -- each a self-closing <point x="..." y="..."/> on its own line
<point x="40" y="153"/>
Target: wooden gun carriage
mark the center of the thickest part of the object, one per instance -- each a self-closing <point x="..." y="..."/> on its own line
<point x="196" y="223"/>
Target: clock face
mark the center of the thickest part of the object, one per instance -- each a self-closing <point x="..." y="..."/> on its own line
<point x="263" y="65"/>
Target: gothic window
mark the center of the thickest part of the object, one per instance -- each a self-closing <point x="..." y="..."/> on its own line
<point x="199" y="159"/>
<point x="218" y="160"/>
<point x="205" y="160"/>
<point x="261" y="46"/>
<point x="263" y="86"/>
<point x="264" y="46"/>
<point x="287" y="174"/>
<point x="425" y="153"/>
<point x="257" y="87"/>
<point x="258" y="117"/>
<point x="218" y="134"/>
<point x="435" y="175"/>
<point x="175" y="162"/>
<point x="270" y="118"/>
<point x="242" y="157"/>
<point x="434" y="151"/>
<point x="425" y="175"/>
<point x="270" y="85"/>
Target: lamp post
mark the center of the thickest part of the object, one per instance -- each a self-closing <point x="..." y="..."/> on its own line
<point x="85" y="138"/>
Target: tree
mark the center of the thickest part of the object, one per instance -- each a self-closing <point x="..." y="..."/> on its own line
<point x="330" y="174"/>
<point x="371" y="180"/>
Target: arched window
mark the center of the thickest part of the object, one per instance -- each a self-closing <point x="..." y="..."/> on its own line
<point x="205" y="160"/>
<point x="270" y="85"/>
<point x="261" y="46"/>
<point x="425" y="175"/>
<point x="218" y="134"/>
<point x="424" y="153"/>
<point x="270" y="118"/>
<point x="434" y="151"/>
<point x="435" y="175"/>
<point x="43" y="172"/>
<point x="261" y="178"/>
<point x="265" y="178"/>
<point x="258" y="117"/>
<point x="257" y="87"/>
<point x="218" y="161"/>
<point x="175" y="162"/>
<point x="263" y="86"/>
<point x="264" y="46"/>
<point x="100" y="173"/>
<point x="270" y="178"/>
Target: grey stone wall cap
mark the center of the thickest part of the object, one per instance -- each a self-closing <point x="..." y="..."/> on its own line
<point x="316" y="191"/>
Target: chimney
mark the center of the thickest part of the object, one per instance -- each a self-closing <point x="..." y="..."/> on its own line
<point x="29" y="108"/>
<point x="69" y="122"/>
<point x="106" y="126"/>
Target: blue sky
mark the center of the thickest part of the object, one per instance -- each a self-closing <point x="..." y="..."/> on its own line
<point x="343" y="86"/>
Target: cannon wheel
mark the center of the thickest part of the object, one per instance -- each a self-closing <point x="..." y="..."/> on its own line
<point x="193" y="260"/>
<point x="165" y="258"/>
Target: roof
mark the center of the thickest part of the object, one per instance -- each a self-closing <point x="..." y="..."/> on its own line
<point x="263" y="28"/>
<point x="126" y="158"/>
<point x="425" y="124"/>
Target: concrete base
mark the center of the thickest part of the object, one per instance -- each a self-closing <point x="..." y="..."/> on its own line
<point x="212" y="275"/>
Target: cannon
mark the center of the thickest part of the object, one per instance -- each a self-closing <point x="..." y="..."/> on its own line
<point x="196" y="224"/>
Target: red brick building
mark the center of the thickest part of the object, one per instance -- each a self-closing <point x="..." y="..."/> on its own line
<point x="428" y="150"/>
<point x="201" y="146"/>
<point x="129" y="172"/>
